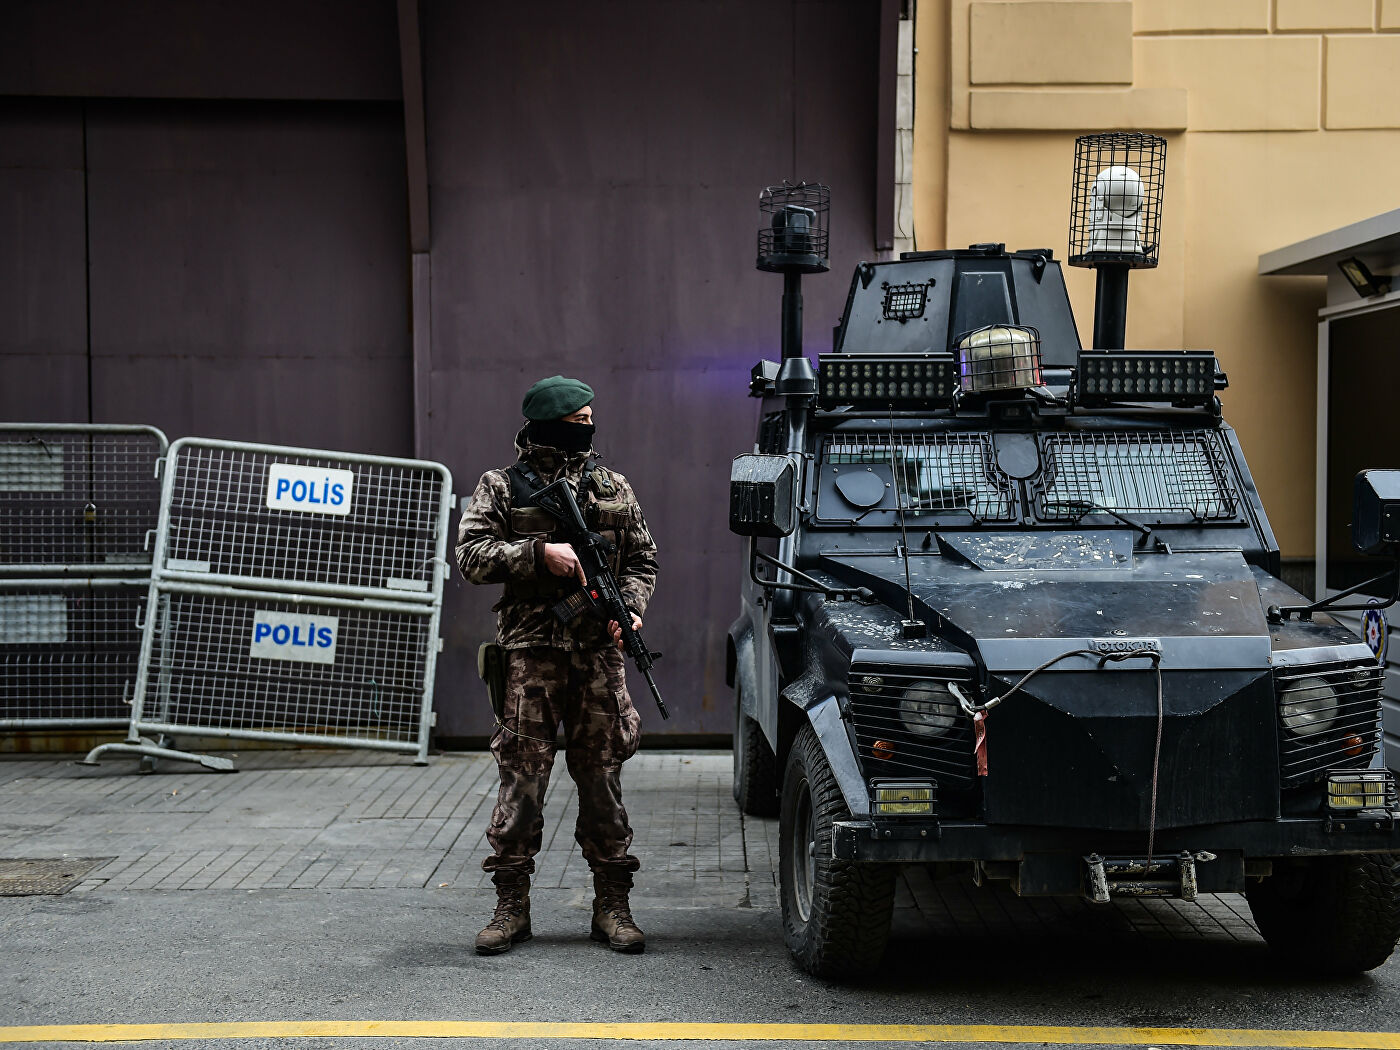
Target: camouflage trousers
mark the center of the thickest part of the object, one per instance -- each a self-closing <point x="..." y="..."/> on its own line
<point x="587" y="692"/>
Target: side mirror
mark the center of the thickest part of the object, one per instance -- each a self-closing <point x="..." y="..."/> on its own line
<point x="1375" y="516"/>
<point x="1375" y="529"/>
<point x="763" y="497"/>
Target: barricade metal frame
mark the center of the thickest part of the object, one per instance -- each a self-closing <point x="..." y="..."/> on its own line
<point x="111" y="470"/>
<point x="79" y="505"/>
<point x="218" y="539"/>
<point x="69" y="651"/>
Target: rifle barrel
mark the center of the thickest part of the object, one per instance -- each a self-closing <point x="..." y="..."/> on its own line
<point x="656" y="693"/>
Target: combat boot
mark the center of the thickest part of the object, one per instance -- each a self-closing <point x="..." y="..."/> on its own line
<point x="612" y="917"/>
<point x="511" y="923"/>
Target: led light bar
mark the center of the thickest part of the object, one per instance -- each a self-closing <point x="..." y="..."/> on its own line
<point x="1179" y="377"/>
<point x="1358" y="790"/>
<point x="901" y="380"/>
<point x="904" y="798"/>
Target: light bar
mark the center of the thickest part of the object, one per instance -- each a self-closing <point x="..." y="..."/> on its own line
<point x="901" y="380"/>
<point x="1179" y="377"/>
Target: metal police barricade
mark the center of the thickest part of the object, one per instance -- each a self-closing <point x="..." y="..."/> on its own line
<point x="68" y="651"/>
<point x="295" y="596"/>
<point x="78" y="499"/>
<point x="78" y="509"/>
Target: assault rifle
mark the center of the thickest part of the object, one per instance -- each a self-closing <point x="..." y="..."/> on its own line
<point x="600" y="592"/>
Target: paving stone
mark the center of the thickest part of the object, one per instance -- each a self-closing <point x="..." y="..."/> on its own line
<point x="300" y="820"/>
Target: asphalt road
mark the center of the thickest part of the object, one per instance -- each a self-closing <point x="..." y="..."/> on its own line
<point x="406" y="954"/>
<point x="132" y="948"/>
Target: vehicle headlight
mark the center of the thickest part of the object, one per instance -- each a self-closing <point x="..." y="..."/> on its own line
<point x="1308" y="706"/>
<point x="928" y="709"/>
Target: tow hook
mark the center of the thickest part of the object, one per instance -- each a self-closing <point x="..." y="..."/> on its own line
<point x="1107" y="877"/>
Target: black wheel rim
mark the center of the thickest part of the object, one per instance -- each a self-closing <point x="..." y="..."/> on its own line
<point x="803" y="850"/>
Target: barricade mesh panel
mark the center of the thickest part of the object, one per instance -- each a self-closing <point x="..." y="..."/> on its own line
<point x="69" y="654"/>
<point x="77" y="497"/>
<point x="204" y="673"/>
<point x="220" y="521"/>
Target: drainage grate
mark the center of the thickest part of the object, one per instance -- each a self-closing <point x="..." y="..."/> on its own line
<point x="28" y="878"/>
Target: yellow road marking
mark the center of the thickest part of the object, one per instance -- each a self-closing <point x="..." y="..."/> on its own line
<point x="668" y="1031"/>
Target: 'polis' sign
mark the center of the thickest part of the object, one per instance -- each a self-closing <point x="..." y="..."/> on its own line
<point x="293" y="636"/>
<point x="311" y="490"/>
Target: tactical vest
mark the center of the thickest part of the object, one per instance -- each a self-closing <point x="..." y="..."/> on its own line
<point x="603" y="512"/>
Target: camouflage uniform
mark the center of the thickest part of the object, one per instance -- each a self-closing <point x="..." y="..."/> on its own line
<point x="555" y="671"/>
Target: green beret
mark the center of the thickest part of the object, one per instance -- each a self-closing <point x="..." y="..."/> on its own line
<point x="555" y="398"/>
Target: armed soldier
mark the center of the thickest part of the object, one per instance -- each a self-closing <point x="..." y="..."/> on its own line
<point x="553" y="669"/>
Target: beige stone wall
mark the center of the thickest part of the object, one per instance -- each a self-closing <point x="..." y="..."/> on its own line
<point x="1282" y="121"/>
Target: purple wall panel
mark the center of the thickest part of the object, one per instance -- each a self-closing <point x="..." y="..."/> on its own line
<point x="43" y="317"/>
<point x="594" y="175"/>
<point x="249" y="272"/>
<point x="305" y="49"/>
<point x="313" y="402"/>
<point x="594" y="201"/>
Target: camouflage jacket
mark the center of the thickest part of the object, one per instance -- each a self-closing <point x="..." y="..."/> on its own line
<point x="499" y="543"/>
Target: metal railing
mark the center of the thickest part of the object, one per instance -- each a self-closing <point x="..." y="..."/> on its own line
<point x="295" y="596"/>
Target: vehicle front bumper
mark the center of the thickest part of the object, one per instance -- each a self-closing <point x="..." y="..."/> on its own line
<point x="925" y="842"/>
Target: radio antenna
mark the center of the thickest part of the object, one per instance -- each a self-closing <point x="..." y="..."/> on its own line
<point x="912" y="627"/>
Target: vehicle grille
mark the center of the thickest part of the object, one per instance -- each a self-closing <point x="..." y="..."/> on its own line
<point x="1350" y="741"/>
<point x="948" y="759"/>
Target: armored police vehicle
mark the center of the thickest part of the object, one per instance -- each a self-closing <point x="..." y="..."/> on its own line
<point x="1011" y="608"/>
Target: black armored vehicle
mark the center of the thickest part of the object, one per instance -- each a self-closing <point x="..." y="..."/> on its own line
<point x="1011" y="608"/>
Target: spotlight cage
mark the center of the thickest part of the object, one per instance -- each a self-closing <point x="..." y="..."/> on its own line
<point x="1007" y="357"/>
<point x="795" y="233"/>
<point x="1094" y="155"/>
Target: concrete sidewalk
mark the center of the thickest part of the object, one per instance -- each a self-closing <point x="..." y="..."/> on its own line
<point x="351" y="820"/>
<point x="323" y="820"/>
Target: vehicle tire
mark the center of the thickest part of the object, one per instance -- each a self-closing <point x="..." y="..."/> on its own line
<point x="755" y="767"/>
<point x="836" y="914"/>
<point x="1330" y="915"/>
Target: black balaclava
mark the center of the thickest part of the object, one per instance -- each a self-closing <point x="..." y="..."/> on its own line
<point x="565" y="436"/>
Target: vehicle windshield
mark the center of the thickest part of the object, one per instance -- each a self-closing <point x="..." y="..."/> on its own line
<point x="937" y="474"/>
<point x="954" y="476"/>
